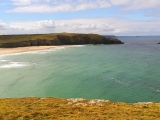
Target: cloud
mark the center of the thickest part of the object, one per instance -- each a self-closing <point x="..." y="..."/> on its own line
<point x="47" y="24"/>
<point x="4" y="26"/>
<point x="24" y="2"/>
<point x="118" y="26"/>
<point x="84" y="26"/>
<point x="136" y="4"/>
<point x="143" y="4"/>
<point x="154" y="14"/>
<point x="115" y="26"/>
<point x="42" y="6"/>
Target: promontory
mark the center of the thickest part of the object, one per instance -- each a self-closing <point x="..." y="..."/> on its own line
<point x="23" y="40"/>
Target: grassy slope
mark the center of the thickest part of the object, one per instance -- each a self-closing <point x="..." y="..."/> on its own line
<point x="21" y="37"/>
<point x="18" y="38"/>
<point x="27" y="37"/>
<point x="75" y="109"/>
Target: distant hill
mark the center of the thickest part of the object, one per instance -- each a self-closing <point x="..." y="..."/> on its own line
<point x="10" y="41"/>
<point x="109" y="36"/>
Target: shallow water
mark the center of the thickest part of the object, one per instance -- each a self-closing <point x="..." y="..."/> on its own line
<point x="128" y="72"/>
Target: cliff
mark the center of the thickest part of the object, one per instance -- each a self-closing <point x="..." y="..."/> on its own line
<point x="11" y="41"/>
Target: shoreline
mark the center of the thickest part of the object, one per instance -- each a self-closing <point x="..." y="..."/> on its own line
<point x="26" y="49"/>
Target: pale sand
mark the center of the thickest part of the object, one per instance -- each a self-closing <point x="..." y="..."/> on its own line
<point x="25" y="49"/>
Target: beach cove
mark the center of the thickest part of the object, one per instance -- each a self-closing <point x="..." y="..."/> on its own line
<point x="100" y="74"/>
<point x="85" y="71"/>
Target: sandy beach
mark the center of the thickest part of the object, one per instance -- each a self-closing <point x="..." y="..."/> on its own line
<point x="24" y="49"/>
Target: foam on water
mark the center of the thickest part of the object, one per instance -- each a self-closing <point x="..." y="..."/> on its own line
<point x="4" y="63"/>
<point x="52" y="49"/>
<point x="14" y="65"/>
<point x="4" y="60"/>
<point x="33" y="52"/>
<point x="41" y="51"/>
<point x="44" y="51"/>
<point x="77" y="46"/>
<point x="119" y="81"/>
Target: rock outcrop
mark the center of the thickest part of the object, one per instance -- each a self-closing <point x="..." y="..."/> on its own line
<point x="54" y="39"/>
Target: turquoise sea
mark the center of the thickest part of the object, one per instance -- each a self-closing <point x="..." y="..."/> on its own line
<point x="127" y="73"/>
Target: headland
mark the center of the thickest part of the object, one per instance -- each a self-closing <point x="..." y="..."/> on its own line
<point x="13" y="41"/>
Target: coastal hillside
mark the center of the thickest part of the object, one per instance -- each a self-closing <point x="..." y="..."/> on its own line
<point x="75" y="109"/>
<point x="11" y="41"/>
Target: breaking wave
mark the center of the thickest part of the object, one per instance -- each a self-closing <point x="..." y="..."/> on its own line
<point x="14" y="65"/>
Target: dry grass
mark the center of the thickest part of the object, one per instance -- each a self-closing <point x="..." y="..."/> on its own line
<point x="18" y="38"/>
<point x="26" y="37"/>
<point x="75" y="109"/>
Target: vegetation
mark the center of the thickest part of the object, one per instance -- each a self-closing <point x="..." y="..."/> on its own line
<point x="75" y="109"/>
<point x="54" y="39"/>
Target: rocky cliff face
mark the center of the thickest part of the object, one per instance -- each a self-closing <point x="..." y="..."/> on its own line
<point x="62" y="39"/>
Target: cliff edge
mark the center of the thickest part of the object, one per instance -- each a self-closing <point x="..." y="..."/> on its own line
<point x="34" y="108"/>
<point x="11" y="41"/>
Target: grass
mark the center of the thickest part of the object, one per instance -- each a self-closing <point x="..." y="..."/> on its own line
<point x="26" y="37"/>
<point x="71" y="38"/>
<point x="23" y="37"/>
<point x="75" y="109"/>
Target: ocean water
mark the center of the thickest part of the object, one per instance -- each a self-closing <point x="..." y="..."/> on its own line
<point x="126" y="73"/>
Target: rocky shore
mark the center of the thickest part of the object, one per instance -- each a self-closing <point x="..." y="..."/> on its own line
<point x="12" y="41"/>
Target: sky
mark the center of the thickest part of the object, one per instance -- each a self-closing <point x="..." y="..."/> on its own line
<point x="105" y="17"/>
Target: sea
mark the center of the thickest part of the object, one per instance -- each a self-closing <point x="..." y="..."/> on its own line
<point x="127" y="72"/>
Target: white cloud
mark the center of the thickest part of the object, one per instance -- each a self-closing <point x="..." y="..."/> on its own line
<point x="84" y="26"/>
<point x="23" y="2"/>
<point x="115" y="26"/>
<point x="5" y="27"/>
<point x="136" y="4"/>
<point x="143" y="4"/>
<point x="47" y="24"/>
<point x="39" y="6"/>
